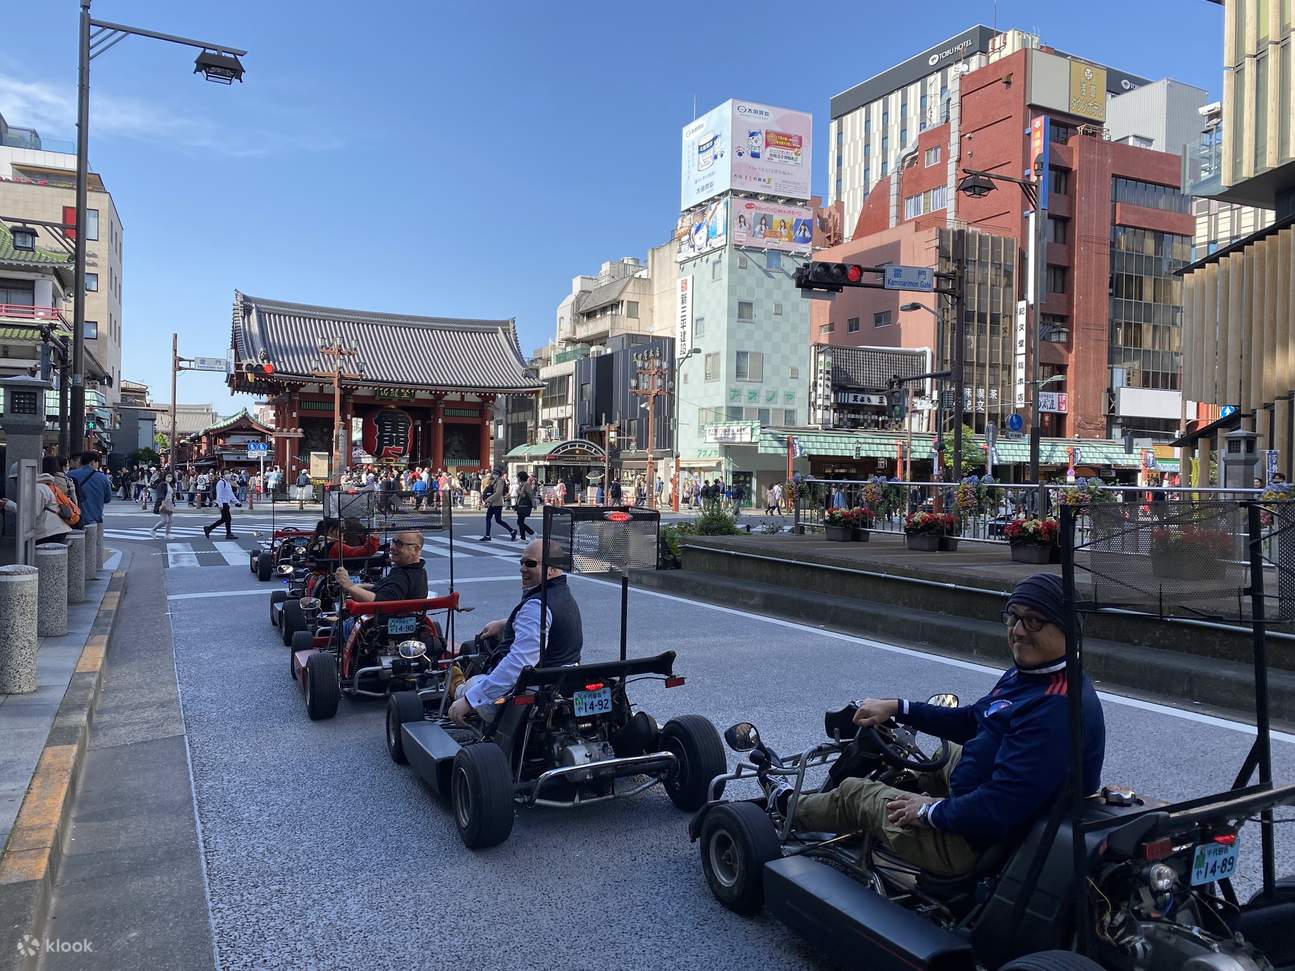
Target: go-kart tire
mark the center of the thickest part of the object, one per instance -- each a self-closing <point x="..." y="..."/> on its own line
<point x="291" y="620"/>
<point x="322" y="689"/>
<point x="276" y="597"/>
<point x="1052" y="961"/>
<point x="252" y="560"/>
<point x="699" y="755"/>
<point x="402" y="706"/>
<point x="264" y="567"/>
<point x="737" y="840"/>
<point x="301" y="641"/>
<point x="1284" y="888"/>
<point x="481" y="795"/>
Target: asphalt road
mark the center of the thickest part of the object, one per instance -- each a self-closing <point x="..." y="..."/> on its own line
<point x="320" y="852"/>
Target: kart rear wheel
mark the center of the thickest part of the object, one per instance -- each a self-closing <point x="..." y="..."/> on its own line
<point x="1052" y="961"/>
<point x="402" y="706"/>
<point x="252" y="560"/>
<point x="301" y="641"/>
<point x="737" y="840"/>
<point x="1284" y="888"/>
<point x="276" y="597"/>
<point x="699" y="757"/>
<point x="322" y="690"/>
<point x="481" y="795"/>
<point x="264" y="567"/>
<point x="291" y="620"/>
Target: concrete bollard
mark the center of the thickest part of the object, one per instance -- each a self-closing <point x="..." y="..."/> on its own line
<point x="18" y="593"/>
<point x="51" y="594"/>
<point x="99" y="547"/>
<point x="93" y="537"/>
<point x="77" y="554"/>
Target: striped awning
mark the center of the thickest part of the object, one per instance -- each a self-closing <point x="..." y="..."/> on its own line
<point x="433" y="353"/>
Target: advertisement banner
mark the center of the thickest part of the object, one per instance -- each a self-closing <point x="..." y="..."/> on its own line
<point x="707" y="156"/>
<point x="1040" y="156"/>
<point x="746" y="147"/>
<point x="683" y="333"/>
<point x="702" y="230"/>
<point x="771" y="226"/>
<point x="1056" y="402"/>
<point x="1018" y="366"/>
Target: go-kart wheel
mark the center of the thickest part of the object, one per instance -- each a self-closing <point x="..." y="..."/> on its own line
<point x="264" y="567"/>
<point x="322" y="689"/>
<point x="301" y="641"/>
<point x="291" y="620"/>
<point x="252" y="560"/>
<point x="402" y="706"/>
<point x="1052" y="961"/>
<point x="276" y="597"/>
<point x="737" y="840"/>
<point x="481" y="795"/>
<point x="699" y="757"/>
<point x="1284" y="888"/>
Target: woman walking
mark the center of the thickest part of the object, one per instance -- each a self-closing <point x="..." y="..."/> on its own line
<point x="164" y="506"/>
<point x="524" y="503"/>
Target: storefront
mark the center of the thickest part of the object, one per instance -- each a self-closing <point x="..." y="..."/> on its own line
<point x="577" y="462"/>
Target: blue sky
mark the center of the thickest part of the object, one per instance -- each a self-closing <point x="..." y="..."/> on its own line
<point x="459" y="160"/>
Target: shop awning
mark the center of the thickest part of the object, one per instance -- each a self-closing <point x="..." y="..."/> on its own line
<point x="574" y="451"/>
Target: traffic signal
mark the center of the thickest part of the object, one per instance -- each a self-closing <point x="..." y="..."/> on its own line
<point x="829" y="276"/>
<point x="257" y="369"/>
<point x="896" y="400"/>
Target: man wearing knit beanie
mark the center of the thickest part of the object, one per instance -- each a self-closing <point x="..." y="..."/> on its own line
<point x="1010" y="752"/>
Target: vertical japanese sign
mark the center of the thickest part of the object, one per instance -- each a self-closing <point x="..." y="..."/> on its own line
<point x="683" y="337"/>
<point x="1040" y="157"/>
<point x="1018" y="366"/>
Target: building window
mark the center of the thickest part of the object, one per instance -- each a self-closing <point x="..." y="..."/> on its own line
<point x="1146" y="307"/>
<point x="92" y="225"/>
<point x="1059" y="181"/>
<point x="631" y="308"/>
<point x="716" y="269"/>
<point x="773" y="260"/>
<point x="931" y="156"/>
<point x="852" y="325"/>
<point x="793" y="373"/>
<point x="733" y="413"/>
<point x="1058" y="229"/>
<point x="881" y="319"/>
<point x="698" y="326"/>
<point x="777" y="310"/>
<point x="585" y="392"/>
<point x="745" y="310"/>
<point x="92" y="286"/>
<point x="913" y="207"/>
<point x="741" y="261"/>
<point x="712" y="367"/>
<point x="1056" y="279"/>
<point x="789" y="417"/>
<point x="826" y="328"/>
<point x="1150" y="196"/>
<point x="762" y="416"/>
<point x="750" y="366"/>
<point x="903" y="137"/>
<point x="1060" y="132"/>
<point x="885" y="168"/>
<point x="92" y="332"/>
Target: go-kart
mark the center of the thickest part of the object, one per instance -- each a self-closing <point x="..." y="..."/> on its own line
<point x="396" y="646"/>
<point x="315" y="579"/>
<point x="1155" y="874"/>
<point x="285" y="546"/>
<point x="564" y="736"/>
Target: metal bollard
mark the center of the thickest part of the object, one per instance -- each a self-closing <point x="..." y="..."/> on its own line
<point x="51" y="594"/>
<point x="18" y="593"/>
<point x="79" y="547"/>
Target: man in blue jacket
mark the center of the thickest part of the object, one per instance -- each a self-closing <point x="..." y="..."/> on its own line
<point x="1010" y="752"/>
<point x="93" y="490"/>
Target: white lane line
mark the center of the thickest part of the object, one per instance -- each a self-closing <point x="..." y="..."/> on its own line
<point x="1192" y="716"/>
<point x="267" y="589"/>
<point x="234" y="554"/>
<point x="435" y="550"/>
<point x="180" y="554"/>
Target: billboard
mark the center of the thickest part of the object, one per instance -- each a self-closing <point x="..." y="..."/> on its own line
<point x="772" y="226"/>
<point x="683" y="336"/>
<point x="745" y="146"/>
<point x="702" y="230"/>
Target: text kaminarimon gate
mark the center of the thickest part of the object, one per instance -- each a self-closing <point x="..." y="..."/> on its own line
<point x="423" y="387"/>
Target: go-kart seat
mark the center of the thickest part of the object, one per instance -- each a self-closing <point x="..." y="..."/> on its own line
<point x="949" y="889"/>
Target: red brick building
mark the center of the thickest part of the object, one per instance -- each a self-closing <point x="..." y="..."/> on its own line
<point x="1118" y="227"/>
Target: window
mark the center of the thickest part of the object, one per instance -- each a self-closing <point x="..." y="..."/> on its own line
<point x="733" y="413"/>
<point x="885" y="168"/>
<point x="913" y="207"/>
<point x="1058" y="229"/>
<point x="789" y="417"/>
<point x="773" y="260"/>
<point x="712" y="367"/>
<point x="827" y="328"/>
<point x="1150" y="195"/>
<point x="881" y="319"/>
<point x="1060" y="133"/>
<point x="931" y="156"/>
<point x="92" y="285"/>
<point x="1059" y="181"/>
<point x="698" y="326"/>
<point x="745" y="310"/>
<point x="716" y="270"/>
<point x="631" y="308"/>
<point x="852" y="325"/>
<point x="762" y="416"/>
<point x="750" y="366"/>
<point x="92" y="225"/>
<point x="793" y="373"/>
<point x="585" y="392"/>
<point x="777" y="310"/>
<point x="1056" y="279"/>
<point x="92" y="330"/>
<point x="903" y="137"/>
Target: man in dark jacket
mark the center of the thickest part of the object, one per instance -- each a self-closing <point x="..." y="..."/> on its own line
<point x="1010" y="752"/>
<point x="93" y="490"/>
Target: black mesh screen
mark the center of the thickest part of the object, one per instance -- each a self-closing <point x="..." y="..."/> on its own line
<point x="594" y="539"/>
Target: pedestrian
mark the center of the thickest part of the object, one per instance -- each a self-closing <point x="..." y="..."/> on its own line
<point x="616" y="495"/>
<point x="660" y="487"/>
<point x="225" y="498"/>
<point x="419" y="489"/>
<point x="304" y="490"/>
<point x="164" y="506"/>
<point x="242" y="485"/>
<point x="524" y="503"/>
<point x="770" y="499"/>
<point x="494" y="495"/>
<point x="93" y="490"/>
<point x="50" y="523"/>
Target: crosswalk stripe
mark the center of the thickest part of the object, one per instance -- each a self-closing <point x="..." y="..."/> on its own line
<point x="234" y="554"/>
<point x="435" y="550"/>
<point x="474" y="547"/>
<point x="180" y="554"/>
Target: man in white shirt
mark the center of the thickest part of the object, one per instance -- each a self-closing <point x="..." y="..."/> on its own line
<point x="225" y="498"/>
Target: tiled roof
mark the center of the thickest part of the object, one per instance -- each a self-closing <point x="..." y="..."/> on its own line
<point x="600" y="296"/>
<point x="395" y="349"/>
<point x="873" y="367"/>
<point x="224" y="423"/>
<point x="38" y="256"/>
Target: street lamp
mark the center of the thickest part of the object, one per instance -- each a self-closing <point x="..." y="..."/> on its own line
<point x="216" y="63"/>
<point x="652" y="380"/>
<point x="674" y="428"/>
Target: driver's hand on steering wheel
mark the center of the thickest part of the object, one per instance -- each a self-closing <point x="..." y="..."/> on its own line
<point x="873" y="711"/>
<point x="459" y="711"/>
<point x="493" y="629"/>
<point x="343" y="578"/>
<point x="903" y="809"/>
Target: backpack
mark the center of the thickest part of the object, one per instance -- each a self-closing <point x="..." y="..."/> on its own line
<point x="68" y="511"/>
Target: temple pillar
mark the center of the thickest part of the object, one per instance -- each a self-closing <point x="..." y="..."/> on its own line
<point x="487" y="420"/>
<point x="438" y="432"/>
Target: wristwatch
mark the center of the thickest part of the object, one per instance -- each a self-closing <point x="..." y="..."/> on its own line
<point x="924" y="813"/>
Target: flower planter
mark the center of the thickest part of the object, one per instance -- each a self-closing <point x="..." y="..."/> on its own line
<point x="948" y="544"/>
<point x="1032" y="552"/>
<point x="838" y="534"/>
<point x="861" y="534"/>
<point x="925" y="542"/>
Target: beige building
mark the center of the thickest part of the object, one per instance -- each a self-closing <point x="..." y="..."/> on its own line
<point x="38" y="181"/>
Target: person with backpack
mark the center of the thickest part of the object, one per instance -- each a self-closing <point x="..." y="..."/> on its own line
<point x="93" y="490"/>
<point x="57" y="513"/>
<point x="495" y="496"/>
<point x="164" y="505"/>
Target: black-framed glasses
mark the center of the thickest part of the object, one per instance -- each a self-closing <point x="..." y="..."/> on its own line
<point x="1032" y="622"/>
<point x="530" y="564"/>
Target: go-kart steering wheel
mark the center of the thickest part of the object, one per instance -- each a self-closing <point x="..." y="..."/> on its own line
<point x="899" y="745"/>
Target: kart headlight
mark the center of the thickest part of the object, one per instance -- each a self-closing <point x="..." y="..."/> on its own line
<point x="1161" y="878"/>
<point x="412" y="649"/>
<point x="309" y="605"/>
<point x="285" y="570"/>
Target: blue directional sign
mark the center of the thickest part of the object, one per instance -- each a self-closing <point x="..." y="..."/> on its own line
<point x="909" y="278"/>
<point x="1227" y="411"/>
<point x="1015" y="422"/>
<point x="255" y="447"/>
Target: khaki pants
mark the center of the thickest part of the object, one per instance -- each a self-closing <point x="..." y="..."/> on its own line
<point x="859" y="805"/>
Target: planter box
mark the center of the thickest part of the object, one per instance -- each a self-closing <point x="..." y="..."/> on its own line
<point x="1032" y="552"/>
<point x="861" y="535"/>
<point x="926" y="542"/>
<point x="839" y="534"/>
<point x="948" y="544"/>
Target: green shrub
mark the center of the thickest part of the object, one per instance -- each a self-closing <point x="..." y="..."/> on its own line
<point x="714" y="521"/>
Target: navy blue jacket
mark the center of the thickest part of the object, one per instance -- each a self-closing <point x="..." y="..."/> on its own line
<point x="93" y="492"/>
<point x="1015" y="752"/>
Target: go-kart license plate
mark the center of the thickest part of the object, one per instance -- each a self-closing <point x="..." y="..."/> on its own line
<point x="1213" y="861"/>
<point x="592" y="702"/>
<point x="355" y="578"/>
<point x="402" y="625"/>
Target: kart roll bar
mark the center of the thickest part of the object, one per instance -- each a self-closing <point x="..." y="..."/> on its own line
<point x="366" y="608"/>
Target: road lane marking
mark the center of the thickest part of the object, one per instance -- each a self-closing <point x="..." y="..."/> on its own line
<point x="234" y="554"/>
<point x="1192" y="716"/>
<point x="180" y="554"/>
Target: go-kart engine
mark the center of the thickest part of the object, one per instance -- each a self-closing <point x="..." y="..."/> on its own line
<point x="568" y="751"/>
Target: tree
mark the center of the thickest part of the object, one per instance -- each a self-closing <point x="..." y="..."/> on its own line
<point x="143" y="456"/>
<point x="161" y="442"/>
<point x="973" y="457"/>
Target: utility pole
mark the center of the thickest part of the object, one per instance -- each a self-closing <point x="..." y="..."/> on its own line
<point x="335" y="349"/>
<point x="175" y="371"/>
<point x="653" y="379"/>
<point x="959" y="348"/>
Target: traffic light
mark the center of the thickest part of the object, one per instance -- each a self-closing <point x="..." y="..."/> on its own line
<point x="829" y="276"/>
<point x="896" y="400"/>
<point x="257" y="369"/>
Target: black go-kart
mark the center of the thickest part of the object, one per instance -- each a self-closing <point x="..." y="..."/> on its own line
<point x="314" y="579"/>
<point x="284" y="546"/>
<point x="398" y="645"/>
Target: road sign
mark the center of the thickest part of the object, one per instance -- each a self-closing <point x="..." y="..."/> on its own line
<point x="1015" y="423"/>
<point x="254" y="447"/>
<point x="910" y="278"/>
<point x="205" y="364"/>
<point x="1227" y="411"/>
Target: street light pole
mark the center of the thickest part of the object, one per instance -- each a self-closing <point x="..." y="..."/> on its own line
<point x="652" y="380"/>
<point x="336" y="349"/>
<point x="175" y="370"/>
<point x="674" y="415"/>
<point x="959" y="349"/>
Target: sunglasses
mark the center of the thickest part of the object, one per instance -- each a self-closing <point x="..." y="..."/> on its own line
<point x="529" y="563"/>
<point x="1032" y="623"/>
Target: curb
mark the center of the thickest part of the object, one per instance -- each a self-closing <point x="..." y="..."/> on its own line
<point x="29" y="865"/>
